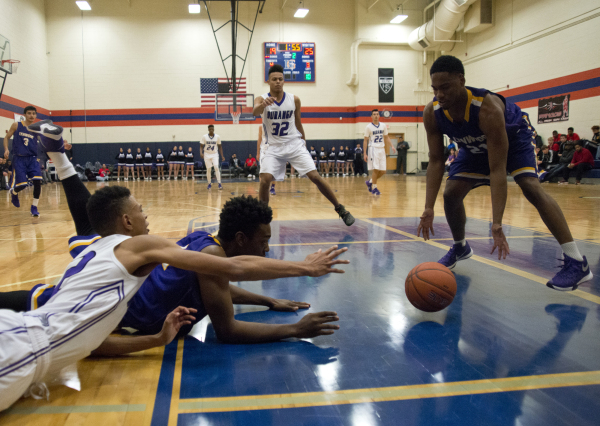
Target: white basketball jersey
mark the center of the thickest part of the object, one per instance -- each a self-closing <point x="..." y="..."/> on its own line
<point x="279" y="121"/>
<point x="376" y="134"/>
<point x="210" y="144"/>
<point x="88" y="304"/>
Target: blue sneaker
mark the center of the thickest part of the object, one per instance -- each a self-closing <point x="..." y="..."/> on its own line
<point x="369" y="185"/>
<point x="272" y="190"/>
<point x="375" y="191"/>
<point x="49" y="135"/>
<point x="572" y="273"/>
<point x="456" y="253"/>
<point x="220" y="187"/>
<point x="209" y="185"/>
<point x="14" y="198"/>
<point x="34" y="211"/>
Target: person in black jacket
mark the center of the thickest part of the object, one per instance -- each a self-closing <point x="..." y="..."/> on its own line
<point x="332" y="160"/>
<point x="180" y="161"/>
<point x="120" y="163"/>
<point x="160" y="165"/>
<point x="148" y="158"/>
<point x="189" y="163"/>
<point x="563" y="163"/>
<point x="235" y="166"/>
<point x="359" y="164"/>
<point x="129" y="164"/>
<point x="173" y="162"/>
<point x="139" y="164"/>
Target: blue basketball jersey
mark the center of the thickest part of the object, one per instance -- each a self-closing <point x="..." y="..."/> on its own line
<point x="24" y="142"/>
<point x="467" y="133"/>
<point x="165" y="289"/>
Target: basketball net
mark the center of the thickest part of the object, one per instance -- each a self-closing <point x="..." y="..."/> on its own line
<point x="236" y="117"/>
<point x="14" y="64"/>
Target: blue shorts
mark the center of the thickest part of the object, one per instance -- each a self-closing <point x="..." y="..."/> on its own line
<point x="521" y="161"/>
<point x="25" y="168"/>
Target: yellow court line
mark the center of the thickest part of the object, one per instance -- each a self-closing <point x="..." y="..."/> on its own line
<point x="394" y="393"/>
<point x="578" y="293"/>
<point x="176" y="384"/>
<point x="40" y="280"/>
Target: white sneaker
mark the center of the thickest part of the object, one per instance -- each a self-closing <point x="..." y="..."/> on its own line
<point x="364" y="175"/>
<point x="118" y="179"/>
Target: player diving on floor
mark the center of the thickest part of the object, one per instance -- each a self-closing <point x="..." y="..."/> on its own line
<point x="494" y="137"/>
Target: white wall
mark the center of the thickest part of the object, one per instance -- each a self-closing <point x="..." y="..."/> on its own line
<point x="23" y="22"/>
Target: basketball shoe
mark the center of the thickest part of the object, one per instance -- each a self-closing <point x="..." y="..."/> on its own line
<point x="220" y="187"/>
<point x="209" y="186"/>
<point x="34" y="211"/>
<point x="14" y="198"/>
<point x="272" y="190"/>
<point x="571" y="274"/>
<point x="345" y="215"/>
<point x="456" y="253"/>
<point x="369" y="186"/>
<point x="49" y="136"/>
<point x="375" y="191"/>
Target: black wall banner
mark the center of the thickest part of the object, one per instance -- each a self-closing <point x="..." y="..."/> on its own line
<point x="386" y="85"/>
<point x="553" y="109"/>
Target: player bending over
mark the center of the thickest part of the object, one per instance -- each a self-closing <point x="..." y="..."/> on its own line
<point x="25" y="165"/>
<point x="282" y="127"/>
<point x="480" y="121"/>
<point x="92" y="296"/>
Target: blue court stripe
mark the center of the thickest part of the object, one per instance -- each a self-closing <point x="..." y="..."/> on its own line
<point x="557" y="90"/>
<point x="162" y="402"/>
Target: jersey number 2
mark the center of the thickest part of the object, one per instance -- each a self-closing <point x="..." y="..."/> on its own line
<point x="281" y="129"/>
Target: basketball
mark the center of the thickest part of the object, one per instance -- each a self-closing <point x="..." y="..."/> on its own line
<point x="430" y="287"/>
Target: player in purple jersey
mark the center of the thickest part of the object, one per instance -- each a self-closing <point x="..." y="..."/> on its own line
<point x="25" y="164"/>
<point x="482" y="122"/>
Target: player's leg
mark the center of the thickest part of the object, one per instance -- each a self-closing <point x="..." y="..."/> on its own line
<point x="272" y="168"/>
<point x="263" y="188"/>
<point x="209" y="164"/>
<point x="218" y="171"/>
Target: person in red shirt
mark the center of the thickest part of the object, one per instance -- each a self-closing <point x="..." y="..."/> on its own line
<point x="571" y="135"/>
<point x="555" y="136"/>
<point x="250" y="167"/>
<point x="103" y="173"/>
<point x="582" y="162"/>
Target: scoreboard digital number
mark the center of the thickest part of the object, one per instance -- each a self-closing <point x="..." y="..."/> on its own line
<point x="297" y="60"/>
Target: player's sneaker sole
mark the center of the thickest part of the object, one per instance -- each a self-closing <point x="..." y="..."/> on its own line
<point x="571" y="288"/>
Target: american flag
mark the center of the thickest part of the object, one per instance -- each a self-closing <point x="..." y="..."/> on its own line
<point x="209" y="87"/>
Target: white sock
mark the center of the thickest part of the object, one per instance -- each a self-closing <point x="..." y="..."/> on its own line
<point x="6" y="180"/>
<point x="63" y="166"/>
<point x="35" y="202"/>
<point x="218" y="174"/>
<point x="571" y="250"/>
<point x="370" y="180"/>
<point x="374" y="185"/>
<point x="461" y="242"/>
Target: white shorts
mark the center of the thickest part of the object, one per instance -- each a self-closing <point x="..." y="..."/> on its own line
<point x="377" y="159"/>
<point x="20" y="341"/>
<point x="211" y="161"/>
<point x="295" y="153"/>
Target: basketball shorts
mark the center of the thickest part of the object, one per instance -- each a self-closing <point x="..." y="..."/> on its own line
<point x="376" y="159"/>
<point x="294" y="152"/>
<point x="24" y="355"/>
<point x="521" y="161"/>
<point x="211" y="161"/>
<point x="25" y="168"/>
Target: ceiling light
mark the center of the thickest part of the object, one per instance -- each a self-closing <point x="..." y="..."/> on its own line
<point x="194" y="8"/>
<point x="398" y="19"/>
<point x="83" y="5"/>
<point x="301" y="13"/>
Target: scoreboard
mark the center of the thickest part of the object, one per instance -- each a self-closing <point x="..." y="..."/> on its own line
<point x="297" y="60"/>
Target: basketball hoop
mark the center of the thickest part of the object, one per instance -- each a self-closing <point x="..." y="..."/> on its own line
<point x="14" y="64"/>
<point x="236" y="117"/>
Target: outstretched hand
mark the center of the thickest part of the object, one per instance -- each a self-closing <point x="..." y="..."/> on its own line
<point x="175" y="320"/>
<point x="284" y="305"/>
<point x="320" y="263"/>
<point x="426" y="224"/>
<point x="316" y="324"/>
<point x="499" y="242"/>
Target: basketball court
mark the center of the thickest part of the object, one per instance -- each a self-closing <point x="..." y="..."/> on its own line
<point x="507" y="351"/>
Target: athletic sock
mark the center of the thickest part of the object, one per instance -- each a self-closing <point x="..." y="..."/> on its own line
<point x="63" y="166"/>
<point x="461" y="242"/>
<point x="374" y="186"/>
<point x="571" y="250"/>
<point x="370" y="180"/>
<point x="35" y="202"/>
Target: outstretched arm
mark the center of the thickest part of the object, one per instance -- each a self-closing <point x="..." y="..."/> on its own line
<point x="298" y="117"/>
<point x="260" y="104"/>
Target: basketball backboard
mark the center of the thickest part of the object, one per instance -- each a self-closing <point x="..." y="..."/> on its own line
<point x="228" y="104"/>
<point x="5" y="54"/>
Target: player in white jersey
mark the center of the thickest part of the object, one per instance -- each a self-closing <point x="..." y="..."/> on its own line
<point x="261" y="145"/>
<point x="91" y="298"/>
<point x="282" y="127"/>
<point x="209" y="153"/>
<point x="374" y="144"/>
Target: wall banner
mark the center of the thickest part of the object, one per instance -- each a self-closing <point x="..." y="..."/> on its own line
<point x="553" y="109"/>
<point x="386" y="85"/>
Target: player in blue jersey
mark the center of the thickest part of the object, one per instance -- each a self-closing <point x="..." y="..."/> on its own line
<point x="482" y="122"/>
<point x="25" y="164"/>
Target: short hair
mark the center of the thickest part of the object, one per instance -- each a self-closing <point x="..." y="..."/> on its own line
<point x="578" y="143"/>
<point x="211" y="125"/>
<point x="374" y="110"/>
<point x="243" y="214"/>
<point x="554" y="131"/>
<point x="447" y="63"/>
<point x="595" y="127"/>
<point x="105" y="207"/>
<point x="570" y="128"/>
<point x="275" y="68"/>
<point x="544" y="147"/>
<point x="29" y="108"/>
<point x="563" y="135"/>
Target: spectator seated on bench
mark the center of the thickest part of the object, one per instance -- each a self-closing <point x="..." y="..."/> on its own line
<point x="582" y="162"/>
